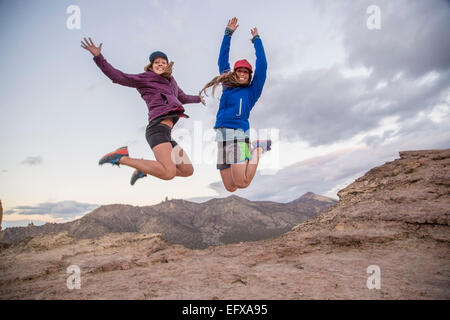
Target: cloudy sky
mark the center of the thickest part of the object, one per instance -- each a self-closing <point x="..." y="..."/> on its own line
<point x="345" y="92"/>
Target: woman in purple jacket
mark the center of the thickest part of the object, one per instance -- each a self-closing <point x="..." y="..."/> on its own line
<point x="165" y="106"/>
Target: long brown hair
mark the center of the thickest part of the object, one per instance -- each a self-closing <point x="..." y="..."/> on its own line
<point x="229" y="79"/>
<point x="167" y="72"/>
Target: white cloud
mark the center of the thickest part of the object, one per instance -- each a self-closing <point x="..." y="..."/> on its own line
<point x="428" y="79"/>
<point x="18" y="218"/>
<point x="439" y="113"/>
<point x="62" y="211"/>
<point x="361" y="72"/>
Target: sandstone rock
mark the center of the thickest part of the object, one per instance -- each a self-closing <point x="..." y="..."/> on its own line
<point x="1" y="214"/>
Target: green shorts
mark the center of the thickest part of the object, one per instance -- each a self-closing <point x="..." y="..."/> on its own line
<point x="230" y="152"/>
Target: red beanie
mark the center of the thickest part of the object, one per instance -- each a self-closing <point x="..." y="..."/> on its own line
<point x="243" y="64"/>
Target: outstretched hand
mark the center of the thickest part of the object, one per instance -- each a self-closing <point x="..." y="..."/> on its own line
<point x="90" y="46"/>
<point x="202" y="100"/>
<point x="232" y="24"/>
<point x="254" y="31"/>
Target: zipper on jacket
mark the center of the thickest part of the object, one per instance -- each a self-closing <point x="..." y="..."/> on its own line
<point x="240" y="108"/>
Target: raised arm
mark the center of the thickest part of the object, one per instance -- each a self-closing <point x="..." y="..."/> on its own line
<point x="187" y="98"/>
<point x="224" y="55"/>
<point x="117" y="76"/>
<point x="259" y="77"/>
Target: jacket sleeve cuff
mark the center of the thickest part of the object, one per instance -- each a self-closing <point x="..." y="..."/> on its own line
<point x="99" y="57"/>
<point x="255" y="37"/>
<point x="229" y="32"/>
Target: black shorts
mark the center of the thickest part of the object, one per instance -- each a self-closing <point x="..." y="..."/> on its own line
<point x="159" y="133"/>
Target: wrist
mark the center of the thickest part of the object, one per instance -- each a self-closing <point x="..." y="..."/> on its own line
<point x="256" y="36"/>
<point x="229" y="31"/>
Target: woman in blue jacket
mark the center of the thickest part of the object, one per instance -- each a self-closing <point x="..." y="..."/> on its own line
<point x="236" y="159"/>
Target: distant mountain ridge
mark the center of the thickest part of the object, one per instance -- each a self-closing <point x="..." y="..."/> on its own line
<point x="194" y="225"/>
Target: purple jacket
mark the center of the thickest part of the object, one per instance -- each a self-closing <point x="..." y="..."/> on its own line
<point x="161" y="94"/>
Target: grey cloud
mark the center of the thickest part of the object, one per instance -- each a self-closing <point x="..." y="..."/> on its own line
<point x="373" y="141"/>
<point x="323" y="107"/>
<point x="32" y="161"/>
<point x="63" y="209"/>
<point x="412" y="38"/>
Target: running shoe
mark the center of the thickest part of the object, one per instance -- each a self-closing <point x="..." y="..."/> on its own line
<point x="136" y="175"/>
<point x="265" y="144"/>
<point x="114" y="157"/>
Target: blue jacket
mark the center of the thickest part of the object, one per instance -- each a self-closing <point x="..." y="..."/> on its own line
<point x="236" y="104"/>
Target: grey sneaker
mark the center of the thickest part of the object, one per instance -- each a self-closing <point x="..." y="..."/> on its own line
<point x="266" y="145"/>
<point x="136" y="175"/>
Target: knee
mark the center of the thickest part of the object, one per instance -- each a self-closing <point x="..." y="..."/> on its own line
<point x="189" y="172"/>
<point x="241" y="184"/>
<point x="186" y="172"/>
<point x="231" y="188"/>
<point x="169" y="174"/>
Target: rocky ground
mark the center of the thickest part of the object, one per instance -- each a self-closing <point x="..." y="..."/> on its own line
<point x="396" y="217"/>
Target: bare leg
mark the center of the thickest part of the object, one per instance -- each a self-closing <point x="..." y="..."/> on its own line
<point x="163" y="168"/>
<point x="253" y="164"/>
<point x="244" y="172"/>
<point x="228" y="180"/>
<point x="183" y="163"/>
